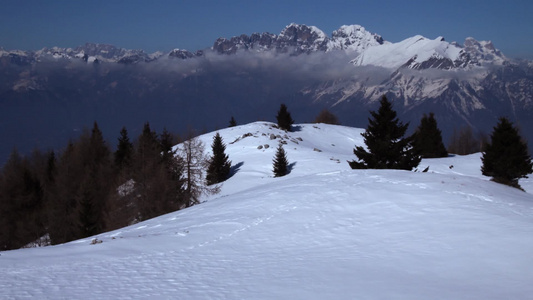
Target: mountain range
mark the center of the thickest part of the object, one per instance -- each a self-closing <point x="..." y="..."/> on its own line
<point x="51" y="94"/>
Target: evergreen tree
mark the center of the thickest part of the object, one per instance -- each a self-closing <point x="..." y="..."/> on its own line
<point x="63" y="226"/>
<point x="83" y="185"/>
<point x="166" y="140"/>
<point x="284" y="118"/>
<point x="174" y="188"/>
<point x="148" y="147"/>
<point x="427" y="140"/>
<point x="280" y="163"/>
<point x="506" y="159"/>
<point x="387" y="148"/>
<point x="124" y="153"/>
<point x="232" y="122"/>
<point x="147" y="174"/>
<point x="94" y="188"/>
<point x="219" y="164"/>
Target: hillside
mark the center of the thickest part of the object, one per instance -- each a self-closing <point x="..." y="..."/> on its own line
<point x="322" y="232"/>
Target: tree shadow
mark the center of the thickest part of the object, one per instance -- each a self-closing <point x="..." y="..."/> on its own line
<point x="296" y="128"/>
<point x="235" y="168"/>
<point x="290" y="167"/>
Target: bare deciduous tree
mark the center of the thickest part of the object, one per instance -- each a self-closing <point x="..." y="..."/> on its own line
<point x="194" y="160"/>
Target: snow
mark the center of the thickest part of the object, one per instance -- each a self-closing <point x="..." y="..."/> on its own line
<point x="484" y="51"/>
<point x="419" y="48"/>
<point x="353" y="38"/>
<point x="322" y="232"/>
<point x="321" y="35"/>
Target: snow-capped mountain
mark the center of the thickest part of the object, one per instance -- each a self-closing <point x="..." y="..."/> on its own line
<point x="420" y="53"/>
<point x="469" y="84"/>
<point x="298" y="39"/>
<point x="90" y="52"/>
<point x="324" y="231"/>
<point x="353" y="38"/>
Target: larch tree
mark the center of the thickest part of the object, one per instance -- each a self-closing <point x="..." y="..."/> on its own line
<point x="327" y="117"/>
<point x="21" y="203"/>
<point x="191" y="153"/>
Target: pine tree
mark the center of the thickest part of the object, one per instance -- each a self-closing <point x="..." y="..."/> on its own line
<point x="94" y="189"/>
<point x="219" y="164"/>
<point x="232" y="122"/>
<point x="166" y="140"/>
<point x="148" y="147"/>
<point x="506" y="159"/>
<point x="284" y="118"/>
<point x="63" y="220"/>
<point x="387" y="148"/>
<point x="427" y="140"/>
<point x="124" y="153"/>
<point x="147" y="174"/>
<point x="280" y="163"/>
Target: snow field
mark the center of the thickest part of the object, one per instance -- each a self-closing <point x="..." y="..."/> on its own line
<point x="322" y="232"/>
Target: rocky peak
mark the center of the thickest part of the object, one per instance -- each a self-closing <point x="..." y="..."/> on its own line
<point x="354" y="38"/>
<point x="303" y="38"/>
<point x="181" y="54"/>
<point x="294" y="38"/>
<point x="483" y="51"/>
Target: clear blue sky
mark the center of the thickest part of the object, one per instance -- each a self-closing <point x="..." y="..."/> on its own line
<point x="196" y="24"/>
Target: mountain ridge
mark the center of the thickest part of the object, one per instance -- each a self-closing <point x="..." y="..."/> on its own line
<point x="303" y="38"/>
<point x="245" y="76"/>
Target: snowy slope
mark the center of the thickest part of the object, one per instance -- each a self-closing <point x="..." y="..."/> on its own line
<point x="417" y="48"/>
<point x="322" y="232"/>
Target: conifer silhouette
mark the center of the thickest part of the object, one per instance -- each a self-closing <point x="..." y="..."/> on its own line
<point x="280" y="163"/>
<point x="284" y="118"/>
<point x="387" y="148"/>
<point x="427" y="139"/>
<point x="219" y="164"/>
<point x="506" y="158"/>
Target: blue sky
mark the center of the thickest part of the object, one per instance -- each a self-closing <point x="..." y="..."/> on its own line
<point x="196" y="24"/>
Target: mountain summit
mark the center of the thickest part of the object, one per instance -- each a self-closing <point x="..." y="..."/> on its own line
<point x="298" y="39"/>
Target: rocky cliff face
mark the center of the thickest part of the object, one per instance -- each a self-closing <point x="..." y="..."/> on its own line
<point x="300" y="39"/>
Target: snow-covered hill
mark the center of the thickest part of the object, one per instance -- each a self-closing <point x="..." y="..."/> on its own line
<point x="322" y="232"/>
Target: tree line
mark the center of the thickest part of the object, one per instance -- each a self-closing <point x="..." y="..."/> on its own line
<point x="505" y="157"/>
<point x="87" y="188"/>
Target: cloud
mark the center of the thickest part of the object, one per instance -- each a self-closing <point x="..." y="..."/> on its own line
<point x="318" y="66"/>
